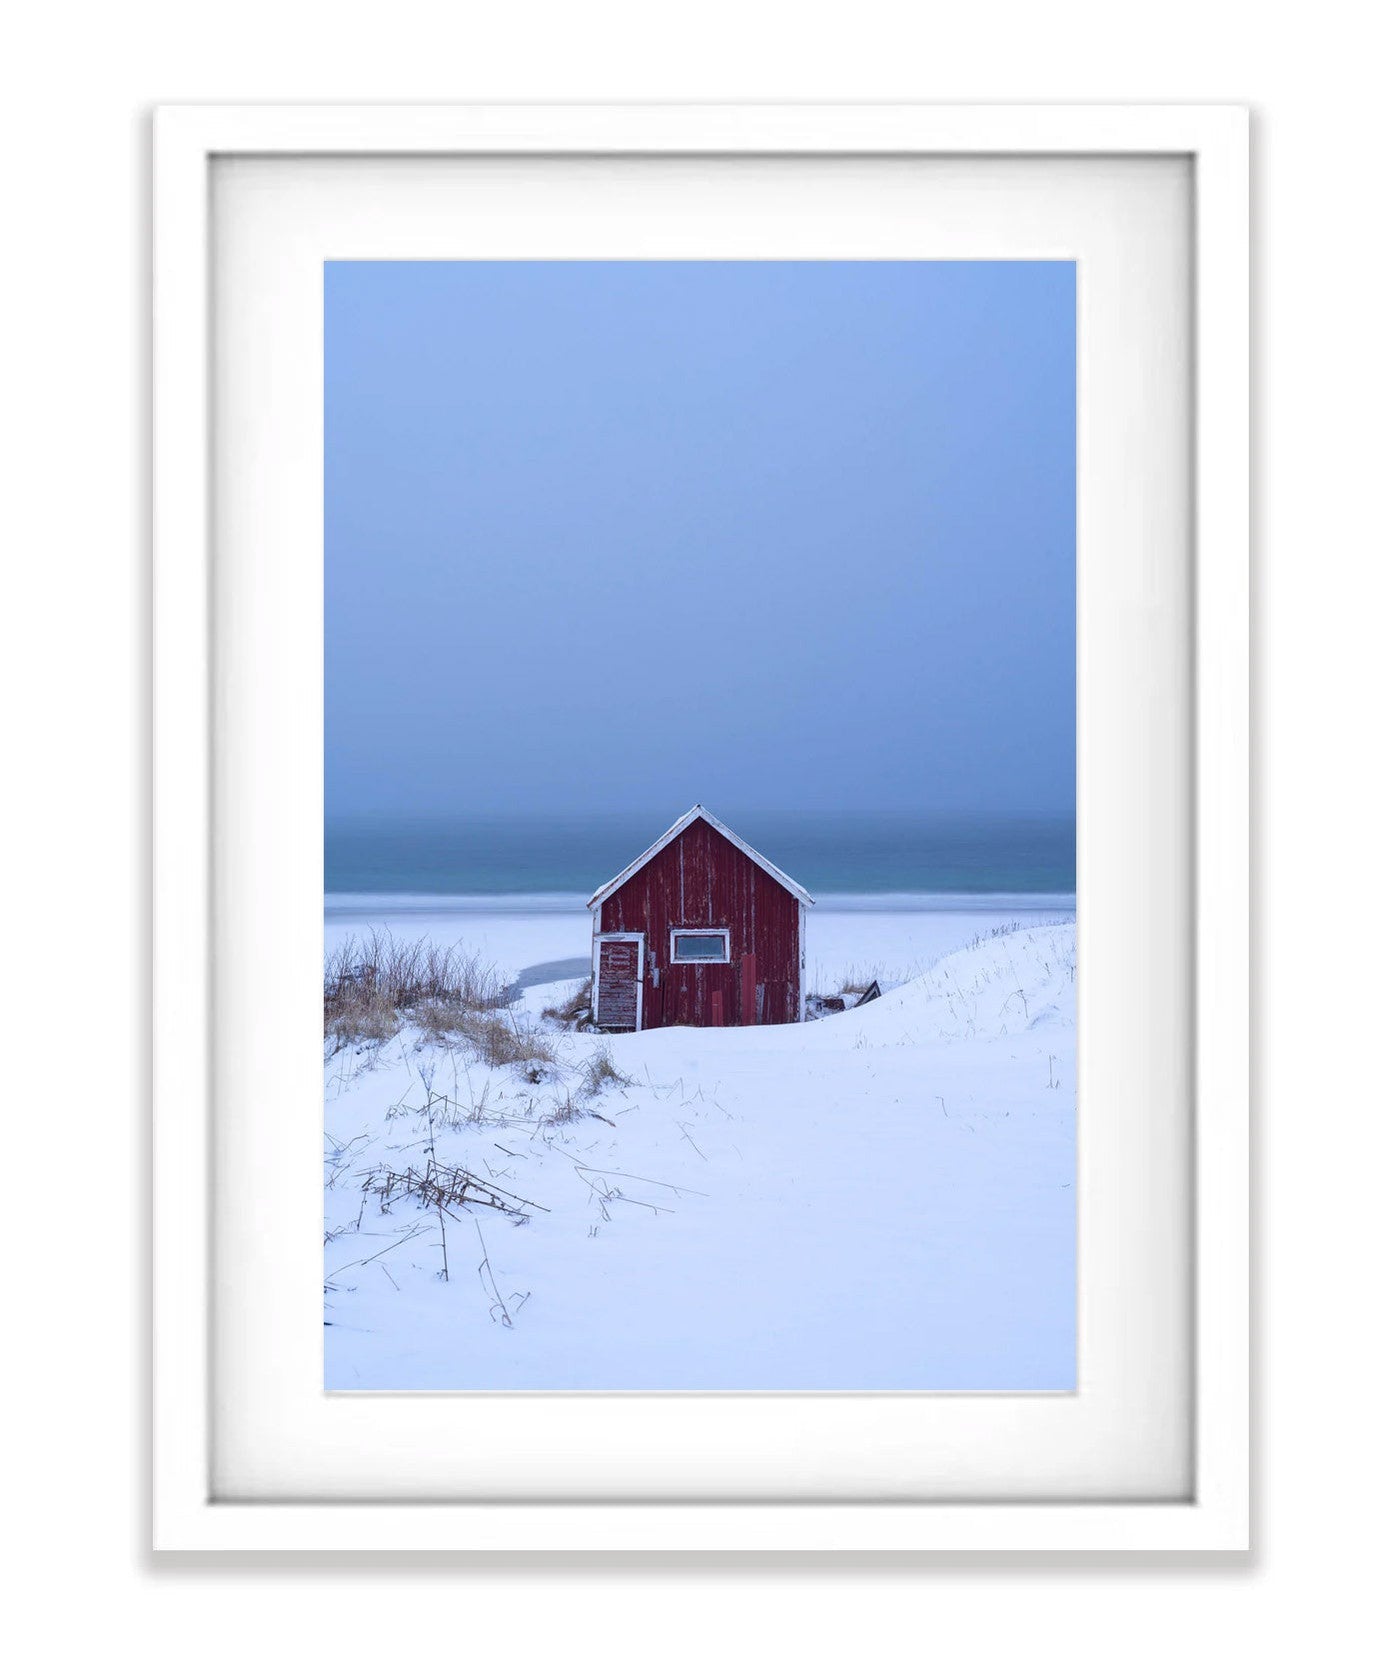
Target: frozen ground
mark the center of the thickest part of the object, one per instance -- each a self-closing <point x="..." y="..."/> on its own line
<point x="881" y="1199"/>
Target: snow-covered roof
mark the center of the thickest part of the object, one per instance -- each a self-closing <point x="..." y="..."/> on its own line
<point x="697" y="813"/>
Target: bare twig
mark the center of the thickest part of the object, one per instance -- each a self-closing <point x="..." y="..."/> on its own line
<point x="416" y="1231"/>
<point x="488" y="1282"/>
<point x="432" y="1156"/>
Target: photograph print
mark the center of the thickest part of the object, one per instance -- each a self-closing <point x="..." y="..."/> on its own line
<point x="700" y="946"/>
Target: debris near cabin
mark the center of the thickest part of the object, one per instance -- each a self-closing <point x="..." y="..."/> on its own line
<point x="819" y="1006"/>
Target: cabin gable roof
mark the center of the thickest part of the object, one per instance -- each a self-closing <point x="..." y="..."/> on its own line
<point x="698" y="813"/>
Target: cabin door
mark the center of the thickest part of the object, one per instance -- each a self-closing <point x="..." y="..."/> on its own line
<point x="619" y="974"/>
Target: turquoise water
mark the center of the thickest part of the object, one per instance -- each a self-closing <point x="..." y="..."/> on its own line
<point x="842" y="853"/>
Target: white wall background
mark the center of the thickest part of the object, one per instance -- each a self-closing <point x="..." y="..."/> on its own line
<point x="77" y="83"/>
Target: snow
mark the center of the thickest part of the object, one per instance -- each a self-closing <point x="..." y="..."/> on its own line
<point x="880" y="1199"/>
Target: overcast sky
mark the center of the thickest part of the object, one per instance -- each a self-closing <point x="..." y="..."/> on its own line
<point x="628" y="536"/>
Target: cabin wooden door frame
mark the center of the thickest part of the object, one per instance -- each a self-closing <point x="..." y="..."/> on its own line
<point x="639" y="940"/>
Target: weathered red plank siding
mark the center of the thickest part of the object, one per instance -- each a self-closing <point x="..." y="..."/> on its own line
<point x="702" y="879"/>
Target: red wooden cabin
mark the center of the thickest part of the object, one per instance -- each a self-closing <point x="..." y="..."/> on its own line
<point x="699" y="931"/>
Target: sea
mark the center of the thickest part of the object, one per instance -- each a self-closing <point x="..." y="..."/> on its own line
<point x="840" y="855"/>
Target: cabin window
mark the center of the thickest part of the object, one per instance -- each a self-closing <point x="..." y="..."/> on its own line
<point x="699" y="944"/>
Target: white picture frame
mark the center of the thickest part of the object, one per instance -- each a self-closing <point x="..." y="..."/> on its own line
<point x="189" y="1409"/>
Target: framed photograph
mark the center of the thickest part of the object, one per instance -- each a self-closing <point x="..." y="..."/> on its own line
<point x="701" y="828"/>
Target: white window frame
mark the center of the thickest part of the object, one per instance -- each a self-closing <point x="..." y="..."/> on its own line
<point x="700" y="933"/>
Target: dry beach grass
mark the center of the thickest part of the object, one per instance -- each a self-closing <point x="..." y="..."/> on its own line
<point x="377" y="985"/>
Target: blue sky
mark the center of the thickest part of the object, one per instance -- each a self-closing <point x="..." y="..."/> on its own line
<point x="625" y="536"/>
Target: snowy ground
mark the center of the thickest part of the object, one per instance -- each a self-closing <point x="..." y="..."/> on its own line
<point x="881" y="1199"/>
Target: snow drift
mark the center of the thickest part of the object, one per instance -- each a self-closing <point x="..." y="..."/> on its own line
<point x="882" y="1199"/>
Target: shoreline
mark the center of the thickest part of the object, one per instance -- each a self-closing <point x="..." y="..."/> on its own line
<point x="892" y="936"/>
<point x="356" y="906"/>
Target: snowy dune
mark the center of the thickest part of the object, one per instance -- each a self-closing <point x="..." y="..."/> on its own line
<point x="881" y="1199"/>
